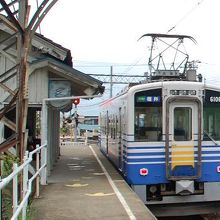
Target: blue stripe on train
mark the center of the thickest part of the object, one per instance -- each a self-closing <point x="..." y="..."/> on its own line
<point x="144" y="148"/>
<point x="157" y="173"/>
<point x="146" y="154"/>
<point x="159" y="158"/>
<point x="146" y="160"/>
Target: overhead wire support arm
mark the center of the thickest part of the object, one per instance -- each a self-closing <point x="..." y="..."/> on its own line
<point x="41" y="17"/>
<point x="173" y="44"/>
<point x="151" y="54"/>
<point x="168" y="46"/>
<point x="37" y="14"/>
<point x="175" y="56"/>
<point x="168" y="36"/>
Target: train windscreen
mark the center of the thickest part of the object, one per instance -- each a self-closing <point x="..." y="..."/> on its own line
<point x="148" y="115"/>
<point x="182" y="124"/>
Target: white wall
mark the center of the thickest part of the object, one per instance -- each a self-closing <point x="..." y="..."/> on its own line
<point x="38" y="86"/>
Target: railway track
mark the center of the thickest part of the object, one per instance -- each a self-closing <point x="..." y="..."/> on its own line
<point x="189" y="211"/>
<point x="192" y="217"/>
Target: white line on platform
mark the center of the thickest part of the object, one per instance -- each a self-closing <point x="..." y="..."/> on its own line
<point x="114" y="187"/>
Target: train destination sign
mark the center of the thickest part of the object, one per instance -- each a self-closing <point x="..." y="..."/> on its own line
<point x="151" y="97"/>
<point x="148" y="99"/>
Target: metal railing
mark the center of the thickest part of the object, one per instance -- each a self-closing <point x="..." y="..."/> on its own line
<point x="81" y="140"/>
<point x="39" y="175"/>
<point x="73" y="143"/>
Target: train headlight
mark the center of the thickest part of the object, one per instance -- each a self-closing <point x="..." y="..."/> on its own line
<point x="218" y="169"/>
<point x="153" y="189"/>
<point x="143" y="172"/>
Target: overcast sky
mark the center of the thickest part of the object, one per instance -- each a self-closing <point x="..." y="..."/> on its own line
<point x="107" y="30"/>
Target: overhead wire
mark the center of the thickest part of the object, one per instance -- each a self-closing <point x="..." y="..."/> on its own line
<point x="108" y="65"/>
<point x="186" y="15"/>
<point x="39" y="28"/>
<point x="133" y="65"/>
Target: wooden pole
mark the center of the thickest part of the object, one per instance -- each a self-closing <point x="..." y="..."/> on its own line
<point x="23" y="44"/>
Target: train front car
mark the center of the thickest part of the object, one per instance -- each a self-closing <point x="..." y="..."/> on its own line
<point x="164" y="134"/>
<point x="174" y="155"/>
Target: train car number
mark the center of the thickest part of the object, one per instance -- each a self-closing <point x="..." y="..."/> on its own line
<point x="214" y="99"/>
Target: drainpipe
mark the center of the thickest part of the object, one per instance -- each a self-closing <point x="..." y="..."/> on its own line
<point x="44" y="129"/>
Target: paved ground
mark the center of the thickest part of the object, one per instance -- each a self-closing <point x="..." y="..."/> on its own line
<point x="78" y="189"/>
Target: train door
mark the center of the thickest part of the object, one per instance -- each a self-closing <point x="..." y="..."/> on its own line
<point x="120" y="146"/>
<point x="183" y="139"/>
<point x="107" y="131"/>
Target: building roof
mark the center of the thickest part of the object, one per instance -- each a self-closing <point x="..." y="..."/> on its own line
<point x="58" y="59"/>
<point x="83" y="84"/>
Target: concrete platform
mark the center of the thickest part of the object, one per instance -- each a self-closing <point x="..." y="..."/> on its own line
<point x="84" y="185"/>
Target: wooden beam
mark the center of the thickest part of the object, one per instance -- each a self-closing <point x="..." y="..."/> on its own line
<point x="9" y="109"/>
<point x="11" y="16"/>
<point x="7" y="89"/>
<point x="10" y="39"/>
<point x="6" y="44"/>
<point x="10" y="142"/>
<point x="9" y="56"/>
<point x="10" y="124"/>
<point x="8" y="23"/>
<point x="9" y="72"/>
<point x="5" y="110"/>
<point x="9" y="4"/>
<point x="9" y="77"/>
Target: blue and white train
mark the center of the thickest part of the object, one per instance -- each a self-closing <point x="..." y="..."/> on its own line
<point x="164" y="137"/>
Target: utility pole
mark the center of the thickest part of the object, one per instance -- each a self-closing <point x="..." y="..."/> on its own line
<point x="76" y="102"/>
<point x="24" y="29"/>
<point x="75" y="119"/>
<point x="111" y="83"/>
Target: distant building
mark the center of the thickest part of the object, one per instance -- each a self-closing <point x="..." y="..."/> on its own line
<point x="90" y="124"/>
